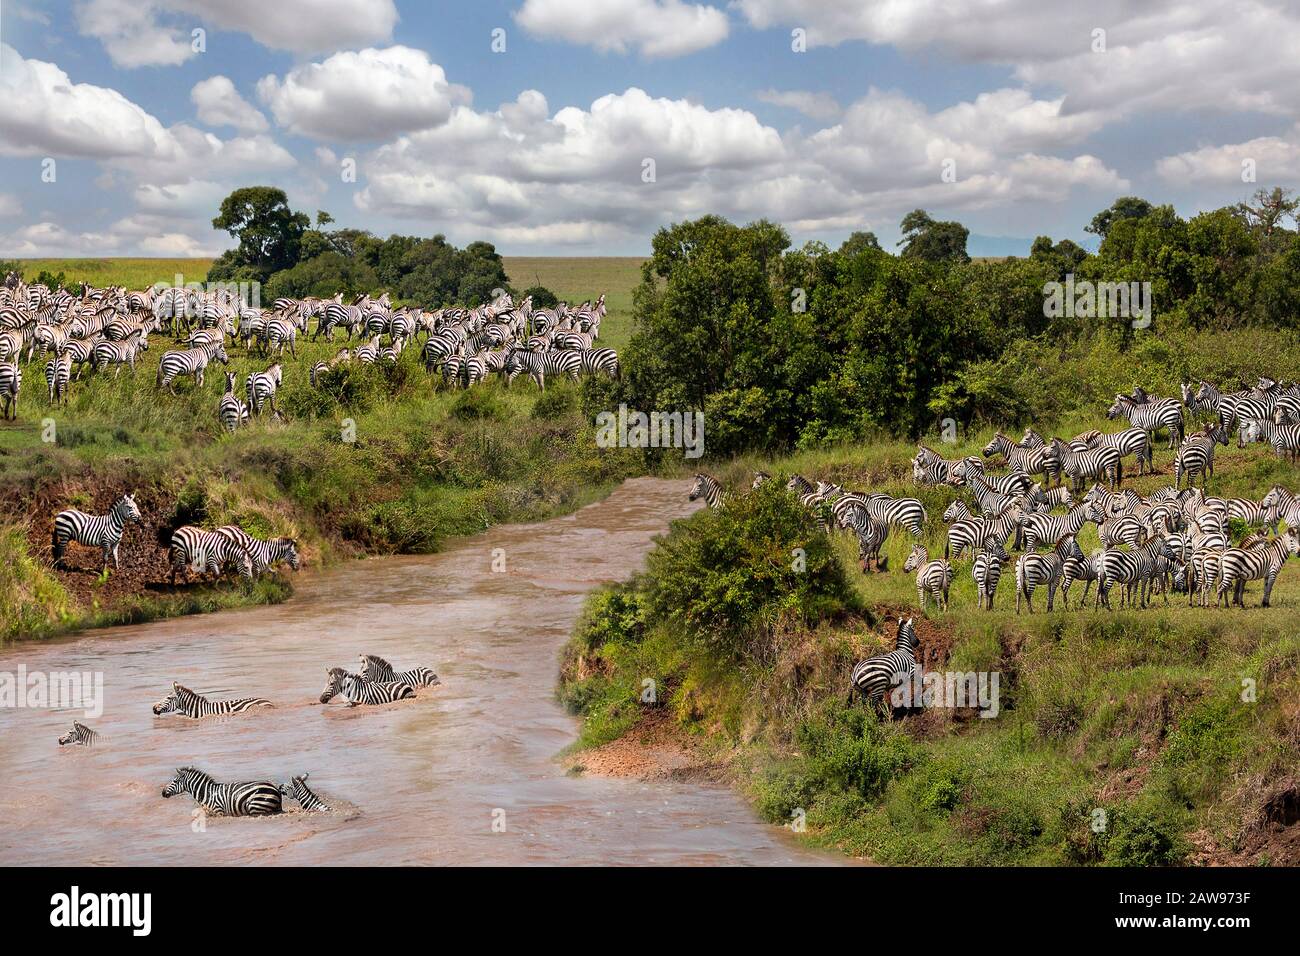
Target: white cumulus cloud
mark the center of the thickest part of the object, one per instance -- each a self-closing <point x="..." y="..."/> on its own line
<point x="654" y="28"/>
<point x="219" y="104"/>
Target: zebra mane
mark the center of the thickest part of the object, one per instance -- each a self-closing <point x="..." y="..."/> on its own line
<point x="377" y="660"/>
<point x="185" y="693"/>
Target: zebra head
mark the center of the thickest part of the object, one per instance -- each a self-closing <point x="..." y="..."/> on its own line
<point x="1292" y="537"/>
<point x="126" y="508"/>
<point x="917" y="558"/>
<point x="289" y="548"/>
<point x="171" y="704"/>
<point x="906" y="638"/>
<point x="185" y="781"/>
<point x="334" y="679"/>
<point x="759" y="478"/>
<point x="79" y="734"/>
<point x="1121" y="405"/>
<point x="700" y="487"/>
<point x="220" y="355"/>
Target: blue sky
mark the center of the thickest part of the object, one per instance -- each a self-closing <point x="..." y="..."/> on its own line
<point x="1017" y="118"/>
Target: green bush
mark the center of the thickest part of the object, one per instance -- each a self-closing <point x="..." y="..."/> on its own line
<point x="726" y="576"/>
<point x="1144" y="836"/>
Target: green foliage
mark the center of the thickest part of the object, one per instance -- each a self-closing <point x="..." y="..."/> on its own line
<point x="1142" y="835"/>
<point x="543" y="298"/>
<point x="726" y="576"/>
<point x="925" y="238"/>
<point x="616" y="615"/>
<point x="268" y="231"/>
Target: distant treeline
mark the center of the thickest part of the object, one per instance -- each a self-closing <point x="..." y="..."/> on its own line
<point x="791" y="347"/>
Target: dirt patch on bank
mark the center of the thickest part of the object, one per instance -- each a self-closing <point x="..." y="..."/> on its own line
<point x="1270" y="838"/>
<point x="655" y="749"/>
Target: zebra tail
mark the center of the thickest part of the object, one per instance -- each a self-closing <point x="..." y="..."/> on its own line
<point x="57" y="547"/>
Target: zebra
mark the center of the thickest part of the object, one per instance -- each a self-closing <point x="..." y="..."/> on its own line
<point x="80" y="735"/>
<point x="254" y="799"/>
<point x="1196" y="455"/>
<point x="1239" y="565"/>
<point x="297" y="789"/>
<point x="932" y="577"/>
<point x="1150" y="416"/>
<point x="374" y="668"/>
<point x="260" y="387"/>
<point x="121" y="353"/>
<point x="708" y="488"/>
<point x="986" y="569"/>
<point x="193" y="361"/>
<point x="1040" y="499"/>
<point x="1130" y="568"/>
<point x="1281" y="505"/>
<point x="279" y="331"/>
<point x="1038" y="460"/>
<point x="970" y="532"/>
<point x="1243" y="405"/>
<point x="102" y="531"/>
<point x="759" y="478"/>
<point x="263" y="554"/>
<point x="207" y="552"/>
<point x="1092" y="463"/>
<point x="540" y="364"/>
<point x="603" y="361"/>
<point x="187" y="703"/>
<point x="875" y="677"/>
<point x="1253" y="513"/>
<point x="232" y="411"/>
<point x="871" y="536"/>
<point x="58" y="376"/>
<point x="1039" y="528"/>
<point x="342" y="357"/>
<point x="1079" y="569"/>
<point x="1034" y="569"/>
<point x="11" y="381"/>
<point x="905" y="513"/>
<point x="1131" y="441"/>
<point x="357" y="690"/>
<point x="1285" y="438"/>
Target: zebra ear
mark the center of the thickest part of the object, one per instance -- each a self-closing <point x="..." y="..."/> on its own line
<point x="176" y="686"/>
<point x="304" y="777"/>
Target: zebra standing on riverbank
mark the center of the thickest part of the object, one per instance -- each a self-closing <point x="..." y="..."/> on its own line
<point x="932" y="577"/>
<point x="256" y="799"/>
<point x="708" y="488"/>
<point x="875" y="677"/>
<point x="187" y="703"/>
<point x="96" y="531"/>
<point x="263" y="554"/>
<point x="357" y="690"/>
<point x="207" y="552"/>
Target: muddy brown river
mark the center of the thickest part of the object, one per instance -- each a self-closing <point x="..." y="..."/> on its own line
<point x="466" y="774"/>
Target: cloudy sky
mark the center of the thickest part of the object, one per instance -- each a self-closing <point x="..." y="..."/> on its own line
<point x="531" y="122"/>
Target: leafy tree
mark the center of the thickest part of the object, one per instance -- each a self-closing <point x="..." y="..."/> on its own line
<point x="268" y="231"/>
<point x="859" y="242"/>
<point x="1267" y="209"/>
<point x="323" y="276"/>
<point x="934" y="241"/>
<point x="543" y="298"/>
<point x="1126" y="207"/>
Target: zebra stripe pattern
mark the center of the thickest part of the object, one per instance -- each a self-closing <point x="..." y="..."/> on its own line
<point x="374" y="668"/>
<point x="708" y="488"/>
<point x="357" y="690"/>
<point x="79" y="735"/>
<point x="207" y="552"/>
<point x="933" y="578"/>
<point x="97" y="531"/>
<point x="298" y="790"/>
<point x="875" y="677"/>
<point x="187" y="703"/>
<point x="255" y="799"/>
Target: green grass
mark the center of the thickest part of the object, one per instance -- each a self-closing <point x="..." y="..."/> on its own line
<point x="576" y="279"/>
<point x="1137" y="713"/>
<point x="427" y="462"/>
<point x="132" y="273"/>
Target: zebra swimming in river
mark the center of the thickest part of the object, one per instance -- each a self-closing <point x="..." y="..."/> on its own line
<point x="357" y="690"/>
<point x="255" y="799"/>
<point x="80" y="734"/>
<point x="297" y="789"/>
<point x="375" y="668"/>
<point x="187" y="703"/>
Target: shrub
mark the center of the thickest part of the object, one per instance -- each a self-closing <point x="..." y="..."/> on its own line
<point x="543" y="298"/>
<point x="1144" y="836"/>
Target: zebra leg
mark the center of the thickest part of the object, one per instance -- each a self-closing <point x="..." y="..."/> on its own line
<point x="1268" y="588"/>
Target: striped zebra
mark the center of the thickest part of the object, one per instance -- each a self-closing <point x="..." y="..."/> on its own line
<point x="905" y="513"/>
<point x="207" y="552"/>
<point x="986" y="569"/>
<point x="368" y="354"/>
<point x="120" y="353"/>
<point x="875" y="677"/>
<point x="1239" y="565"/>
<point x="1080" y="568"/>
<point x="1131" y="441"/>
<point x="96" y="531"/>
<point x="11" y="382"/>
<point x="1252" y="513"/>
<point x="58" y="376"/>
<point x="79" y="735"/>
<point x="1039" y="499"/>
<point x="1038" y="460"/>
<point x="708" y="488"/>
<point x="973" y="532"/>
<point x="260" y="387"/>
<point x="232" y="411"/>
<point x="1229" y="408"/>
<point x="342" y="357"/>
<point x="1042" y="528"/>
<point x="1196" y="455"/>
<point x="540" y="364"/>
<point x="302" y="794"/>
<point x="279" y="331"/>
<point x="871" y="535"/>
<point x="185" y="702"/>
<point x="603" y="361"/>
<point x="374" y="668"/>
<point x="1134" y="568"/>
<point x="357" y="690"/>
<point x="1150" y="416"/>
<point x="1080" y="466"/>
<point x="264" y="555"/>
<point x="1285" y="438"/>
<point x="932" y="577"/>
<point x="1034" y="570"/>
<point x="255" y="799"/>
<point x="178" y="362"/>
<point x="1281" y="505"/>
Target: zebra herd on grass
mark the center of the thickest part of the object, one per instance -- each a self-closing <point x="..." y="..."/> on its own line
<point x="192" y="550"/>
<point x="1177" y="538"/>
<point x="376" y="682"/>
<point x="108" y="328"/>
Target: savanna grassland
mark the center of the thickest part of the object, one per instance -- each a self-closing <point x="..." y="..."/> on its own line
<point x="427" y="463"/>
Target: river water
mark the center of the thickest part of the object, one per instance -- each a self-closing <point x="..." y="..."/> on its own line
<point x="466" y="774"/>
